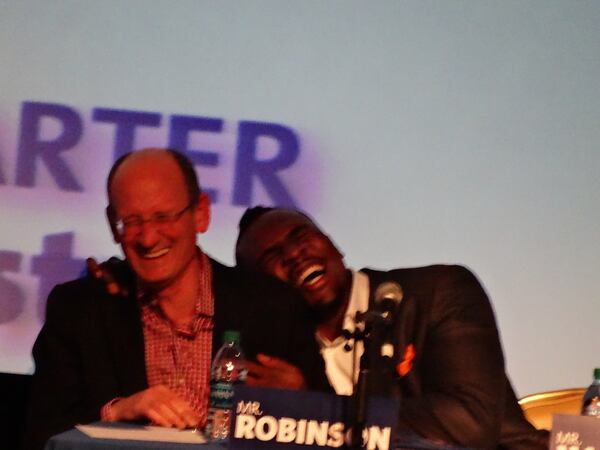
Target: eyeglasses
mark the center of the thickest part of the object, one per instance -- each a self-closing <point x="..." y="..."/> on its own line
<point x="132" y="225"/>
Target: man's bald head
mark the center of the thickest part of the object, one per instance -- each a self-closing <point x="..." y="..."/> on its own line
<point x="184" y="164"/>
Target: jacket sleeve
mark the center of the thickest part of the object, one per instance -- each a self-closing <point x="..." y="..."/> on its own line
<point x="56" y="402"/>
<point x="461" y="367"/>
<point x="306" y="354"/>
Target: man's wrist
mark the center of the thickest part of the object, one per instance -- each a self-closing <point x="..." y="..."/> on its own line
<point x="107" y="413"/>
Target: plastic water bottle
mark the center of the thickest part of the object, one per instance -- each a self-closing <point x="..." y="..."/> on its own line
<point x="228" y="369"/>
<point x="591" y="398"/>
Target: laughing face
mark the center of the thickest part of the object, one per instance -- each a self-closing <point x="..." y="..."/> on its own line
<point x="158" y="221"/>
<point x="288" y="246"/>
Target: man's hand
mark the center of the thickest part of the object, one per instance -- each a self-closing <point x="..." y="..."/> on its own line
<point x="269" y="371"/>
<point x="159" y="404"/>
<point x="103" y="273"/>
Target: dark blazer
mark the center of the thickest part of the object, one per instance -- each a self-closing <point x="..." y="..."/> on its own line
<point x="455" y="388"/>
<point x="91" y="347"/>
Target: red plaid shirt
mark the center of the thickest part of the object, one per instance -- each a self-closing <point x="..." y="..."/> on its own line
<point x="180" y="357"/>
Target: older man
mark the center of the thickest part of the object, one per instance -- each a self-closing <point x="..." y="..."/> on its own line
<point x="148" y="357"/>
<point x="447" y="367"/>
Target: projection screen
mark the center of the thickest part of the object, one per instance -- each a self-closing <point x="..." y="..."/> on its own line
<point x="415" y="132"/>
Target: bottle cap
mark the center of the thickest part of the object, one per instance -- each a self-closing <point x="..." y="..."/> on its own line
<point x="597" y="373"/>
<point x="231" y="336"/>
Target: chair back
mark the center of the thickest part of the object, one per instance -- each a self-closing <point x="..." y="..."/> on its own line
<point x="539" y="408"/>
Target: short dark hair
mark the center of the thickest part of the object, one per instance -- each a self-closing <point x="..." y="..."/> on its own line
<point x="251" y="215"/>
<point x="187" y="169"/>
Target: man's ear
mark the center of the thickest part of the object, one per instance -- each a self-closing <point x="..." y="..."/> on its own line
<point x="112" y="218"/>
<point x="201" y="213"/>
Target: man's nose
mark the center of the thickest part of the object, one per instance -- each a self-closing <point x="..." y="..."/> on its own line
<point x="291" y="251"/>
<point x="148" y="234"/>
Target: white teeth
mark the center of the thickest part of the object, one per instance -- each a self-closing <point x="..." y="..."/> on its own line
<point x="314" y="280"/>
<point x="156" y="254"/>
<point x="309" y="270"/>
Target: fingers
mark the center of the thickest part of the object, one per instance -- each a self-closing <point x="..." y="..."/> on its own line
<point x="93" y="268"/>
<point x="169" y="414"/>
<point x="112" y="287"/>
<point x="159" y="404"/>
<point x="256" y="372"/>
<point x="270" y="371"/>
<point x="272" y="361"/>
<point x="174" y="412"/>
<point x="184" y="412"/>
<point x="103" y="273"/>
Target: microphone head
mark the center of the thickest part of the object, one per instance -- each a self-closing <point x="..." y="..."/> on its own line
<point x="389" y="290"/>
<point x="388" y="296"/>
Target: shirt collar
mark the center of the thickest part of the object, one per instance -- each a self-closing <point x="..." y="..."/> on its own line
<point x="358" y="302"/>
<point x="204" y="299"/>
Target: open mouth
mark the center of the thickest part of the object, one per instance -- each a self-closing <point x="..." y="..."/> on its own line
<point x="156" y="254"/>
<point x="311" y="275"/>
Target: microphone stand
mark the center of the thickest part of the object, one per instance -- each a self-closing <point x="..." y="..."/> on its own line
<point x="376" y="323"/>
<point x="360" y="395"/>
<point x="373" y="323"/>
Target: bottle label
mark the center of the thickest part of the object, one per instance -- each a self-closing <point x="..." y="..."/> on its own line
<point x="592" y="408"/>
<point x="221" y="395"/>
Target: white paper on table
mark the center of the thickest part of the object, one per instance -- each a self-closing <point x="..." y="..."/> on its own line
<point x="144" y="433"/>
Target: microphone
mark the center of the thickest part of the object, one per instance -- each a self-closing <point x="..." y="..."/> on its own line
<point x="388" y="296"/>
<point x="386" y="299"/>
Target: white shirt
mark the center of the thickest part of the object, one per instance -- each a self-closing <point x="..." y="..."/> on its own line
<point x="341" y="366"/>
